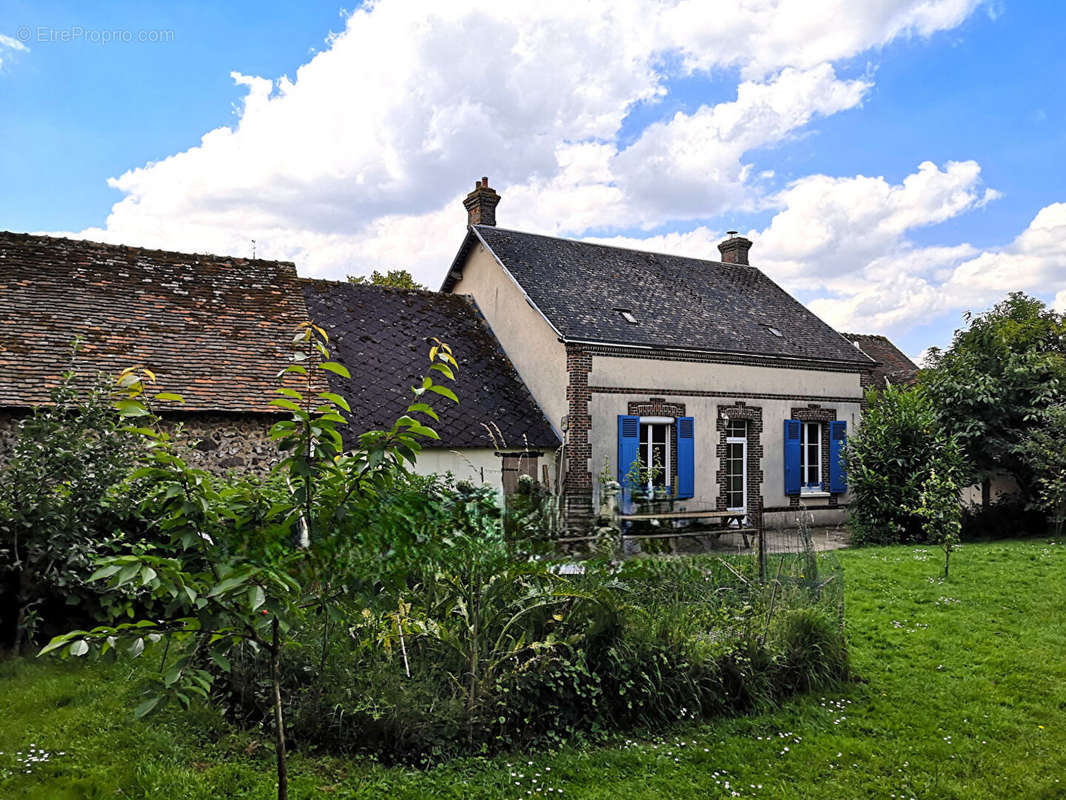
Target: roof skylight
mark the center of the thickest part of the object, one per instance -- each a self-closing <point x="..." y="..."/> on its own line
<point x="627" y="315"/>
<point x="773" y="330"/>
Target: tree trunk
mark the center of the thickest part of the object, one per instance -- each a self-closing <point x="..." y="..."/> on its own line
<point x="279" y="722"/>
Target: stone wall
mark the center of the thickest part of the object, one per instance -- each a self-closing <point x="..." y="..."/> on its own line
<point x="8" y="422"/>
<point x="225" y="441"/>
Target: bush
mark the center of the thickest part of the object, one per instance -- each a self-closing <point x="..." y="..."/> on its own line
<point x="1044" y="451"/>
<point x="59" y="511"/>
<point x="889" y="459"/>
<point x="479" y="648"/>
<point x="812" y="651"/>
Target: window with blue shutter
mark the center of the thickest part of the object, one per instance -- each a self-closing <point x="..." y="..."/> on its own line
<point x="628" y="448"/>
<point x="686" y="458"/>
<point x="793" y="455"/>
<point x="838" y="477"/>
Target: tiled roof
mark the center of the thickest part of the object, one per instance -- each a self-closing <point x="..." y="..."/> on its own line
<point x="382" y="336"/>
<point x="215" y="329"/>
<point x="893" y="366"/>
<point x="676" y="302"/>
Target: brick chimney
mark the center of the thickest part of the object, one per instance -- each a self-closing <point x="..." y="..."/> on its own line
<point x="481" y="204"/>
<point x="735" y="249"/>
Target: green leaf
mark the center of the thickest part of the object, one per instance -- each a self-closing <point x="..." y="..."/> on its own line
<point x="147" y="707"/>
<point x="79" y="648"/>
<point x="337" y="368"/>
<point x="137" y="647"/>
<point x="256" y="597"/>
<point x="169" y="397"/>
<point x="422" y="430"/>
<point x="228" y="584"/>
<point x="336" y="399"/>
<point x="104" y="572"/>
<point x="423" y="408"/>
<point x="444" y="369"/>
<point x="281" y="402"/>
<point x="131" y="408"/>
<point x="444" y="391"/>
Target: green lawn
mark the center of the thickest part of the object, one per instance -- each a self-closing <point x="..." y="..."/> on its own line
<point x="964" y="696"/>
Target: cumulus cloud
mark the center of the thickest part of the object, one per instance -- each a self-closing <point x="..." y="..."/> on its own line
<point x="10" y="44"/>
<point x="849" y="241"/>
<point x="950" y="280"/>
<point x="360" y="160"/>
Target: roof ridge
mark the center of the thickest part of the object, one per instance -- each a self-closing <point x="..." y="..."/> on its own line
<point x="135" y="248"/>
<point x="618" y="247"/>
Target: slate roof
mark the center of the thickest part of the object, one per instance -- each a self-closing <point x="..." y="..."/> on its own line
<point x="382" y="336"/>
<point x="213" y="328"/>
<point x="893" y="366"/>
<point x="678" y="302"/>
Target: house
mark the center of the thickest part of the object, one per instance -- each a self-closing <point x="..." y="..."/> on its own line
<point x="218" y="330"/>
<point x="893" y="367"/>
<point x="704" y="368"/>
<point x="579" y="362"/>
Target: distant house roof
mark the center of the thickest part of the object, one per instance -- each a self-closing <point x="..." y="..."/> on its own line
<point x="893" y="366"/>
<point x="214" y="328"/>
<point x="597" y="293"/>
<point x="382" y="335"/>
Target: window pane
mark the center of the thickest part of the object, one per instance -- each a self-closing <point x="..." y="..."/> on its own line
<point x="644" y="434"/>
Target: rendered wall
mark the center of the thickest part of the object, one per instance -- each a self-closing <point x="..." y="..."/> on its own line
<point x="529" y="342"/>
<point x="477" y="465"/>
<point x="667" y="376"/>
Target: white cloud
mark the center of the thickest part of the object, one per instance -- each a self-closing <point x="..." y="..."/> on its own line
<point x="12" y="44"/>
<point x="360" y="160"/>
<point x="946" y="281"/>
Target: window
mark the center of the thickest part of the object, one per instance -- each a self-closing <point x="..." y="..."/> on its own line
<point x="736" y="452"/>
<point x="663" y="441"/>
<point x="655" y="435"/>
<point x="627" y="315"/>
<point x="811" y="457"/>
<point x="773" y="331"/>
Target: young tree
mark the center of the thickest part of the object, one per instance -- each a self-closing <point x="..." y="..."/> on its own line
<point x="394" y="279"/>
<point x="991" y="387"/>
<point x="941" y="512"/>
<point x="237" y="567"/>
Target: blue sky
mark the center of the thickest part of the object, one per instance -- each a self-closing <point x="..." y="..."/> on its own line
<point x="653" y="128"/>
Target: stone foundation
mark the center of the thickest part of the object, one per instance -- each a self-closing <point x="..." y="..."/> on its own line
<point x="223" y="441"/>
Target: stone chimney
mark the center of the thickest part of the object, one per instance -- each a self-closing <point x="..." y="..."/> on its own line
<point x="481" y="204"/>
<point x="735" y="249"/>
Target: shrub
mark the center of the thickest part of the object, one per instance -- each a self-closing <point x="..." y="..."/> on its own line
<point x="1044" y="450"/>
<point x="59" y="510"/>
<point x="898" y="446"/>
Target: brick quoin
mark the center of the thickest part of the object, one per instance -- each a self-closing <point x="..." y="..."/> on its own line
<point x="577" y="484"/>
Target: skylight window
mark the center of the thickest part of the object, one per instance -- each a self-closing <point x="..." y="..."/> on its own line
<point x="773" y="330"/>
<point x="627" y="315"/>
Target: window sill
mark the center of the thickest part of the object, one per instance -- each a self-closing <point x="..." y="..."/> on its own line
<point x="814" y="494"/>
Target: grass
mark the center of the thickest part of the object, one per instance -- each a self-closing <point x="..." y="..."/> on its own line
<point x="963" y="695"/>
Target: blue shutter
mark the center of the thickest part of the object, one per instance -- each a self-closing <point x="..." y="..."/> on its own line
<point x="628" y="448"/>
<point x="793" y="452"/>
<point x="686" y="458"/>
<point x="838" y="476"/>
